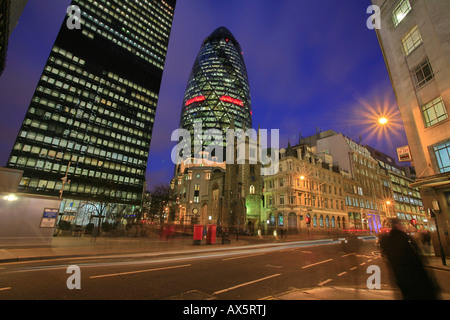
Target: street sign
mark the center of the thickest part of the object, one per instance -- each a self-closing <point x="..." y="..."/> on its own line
<point x="49" y="218"/>
<point x="404" y="154"/>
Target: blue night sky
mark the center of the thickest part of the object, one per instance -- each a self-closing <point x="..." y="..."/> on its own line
<point x="311" y="64"/>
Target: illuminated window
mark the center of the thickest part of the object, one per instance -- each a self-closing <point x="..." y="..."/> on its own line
<point x="442" y="153"/>
<point x="401" y="11"/>
<point x="434" y="112"/>
<point x="411" y="40"/>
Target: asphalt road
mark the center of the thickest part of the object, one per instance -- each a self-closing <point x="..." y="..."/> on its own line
<point x="244" y="273"/>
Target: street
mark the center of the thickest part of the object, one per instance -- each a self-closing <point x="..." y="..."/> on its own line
<point x="258" y="272"/>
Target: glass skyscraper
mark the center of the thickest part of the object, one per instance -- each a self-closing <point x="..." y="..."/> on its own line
<point x="218" y="91"/>
<point x="92" y="114"/>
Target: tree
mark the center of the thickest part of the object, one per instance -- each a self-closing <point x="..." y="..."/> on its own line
<point x="161" y="197"/>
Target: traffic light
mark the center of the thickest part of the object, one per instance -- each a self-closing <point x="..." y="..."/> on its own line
<point x="308" y="220"/>
<point x="413" y="222"/>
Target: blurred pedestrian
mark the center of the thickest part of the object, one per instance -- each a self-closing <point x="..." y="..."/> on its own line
<point x="426" y="237"/>
<point x="407" y="265"/>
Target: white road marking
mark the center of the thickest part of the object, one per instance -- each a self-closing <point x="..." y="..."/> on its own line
<point x="353" y="268"/>
<point x="342" y="273"/>
<point x="315" y="264"/>
<point x="138" y="271"/>
<point x="242" y="257"/>
<point x="325" y="282"/>
<point x="246" y="284"/>
<point x="346" y="255"/>
<point x="4" y="289"/>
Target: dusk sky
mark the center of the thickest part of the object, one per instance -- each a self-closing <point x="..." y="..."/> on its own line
<point x="311" y="64"/>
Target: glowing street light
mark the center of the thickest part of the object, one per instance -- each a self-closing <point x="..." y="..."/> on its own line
<point x="10" y="197"/>
<point x="382" y="121"/>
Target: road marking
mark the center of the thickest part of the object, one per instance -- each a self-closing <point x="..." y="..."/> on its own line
<point x="315" y="264"/>
<point x="288" y="250"/>
<point x="306" y="251"/>
<point x="138" y="271"/>
<point x="268" y="298"/>
<point x="4" y="289"/>
<point x="361" y="264"/>
<point x="246" y="284"/>
<point x="325" y="282"/>
<point x="353" y="268"/>
<point x="242" y="257"/>
<point x="346" y="255"/>
<point x="342" y="273"/>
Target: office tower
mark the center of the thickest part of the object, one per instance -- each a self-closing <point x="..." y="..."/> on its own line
<point x="91" y="117"/>
<point x="218" y="91"/>
<point x="414" y="41"/>
<point x="10" y="12"/>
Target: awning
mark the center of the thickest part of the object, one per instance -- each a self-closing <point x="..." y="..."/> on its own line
<point x="432" y="181"/>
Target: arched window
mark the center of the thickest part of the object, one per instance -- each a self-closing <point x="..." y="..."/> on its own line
<point x="321" y="221"/>
<point x="271" y="219"/>
<point x="333" y="222"/>
<point x="252" y="189"/>
<point x="315" y="220"/>
<point x="280" y="219"/>
<point x="327" y="221"/>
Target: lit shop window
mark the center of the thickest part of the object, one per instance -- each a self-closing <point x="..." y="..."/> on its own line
<point x="412" y="40"/>
<point x="434" y="112"/>
<point x="401" y="11"/>
<point x="442" y="153"/>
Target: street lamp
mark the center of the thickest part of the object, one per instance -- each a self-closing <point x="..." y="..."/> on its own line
<point x="383" y="121"/>
<point x="10" y="198"/>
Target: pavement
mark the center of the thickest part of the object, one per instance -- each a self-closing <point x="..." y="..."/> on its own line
<point x="85" y="245"/>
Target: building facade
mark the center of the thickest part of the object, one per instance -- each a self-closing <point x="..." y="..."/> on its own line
<point x="402" y="200"/>
<point x="226" y="194"/>
<point x="364" y="189"/>
<point x="218" y="90"/>
<point x="191" y="188"/>
<point x="414" y="41"/>
<point x="306" y="195"/>
<point x="88" y="129"/>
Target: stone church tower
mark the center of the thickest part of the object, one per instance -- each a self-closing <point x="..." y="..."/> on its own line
<point x="236" y="193"/>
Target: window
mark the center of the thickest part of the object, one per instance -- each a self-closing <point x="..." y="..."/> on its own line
<point x="411" y="40"/>
<point x="442" y="153"/>
<point x="401" y="11"/>
<point x="434" y="112"/>
<point x="423" y="73"/>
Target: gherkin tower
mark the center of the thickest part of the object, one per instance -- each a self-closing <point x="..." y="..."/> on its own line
<point x="218" y="91"/>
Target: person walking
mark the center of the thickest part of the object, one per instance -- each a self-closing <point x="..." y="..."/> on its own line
<point x="407" y="265"/>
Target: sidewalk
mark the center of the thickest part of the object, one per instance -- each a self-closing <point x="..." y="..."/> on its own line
<point x="343" y="293"/>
